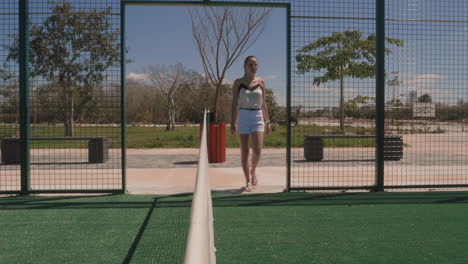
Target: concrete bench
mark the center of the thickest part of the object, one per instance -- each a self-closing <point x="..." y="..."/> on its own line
<point x="97" y="148"/>
<point x="313" y="146"/>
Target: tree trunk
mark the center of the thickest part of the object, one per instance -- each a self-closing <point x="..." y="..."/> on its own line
<point x="172" y="112"/>
<point x="69" y="115"/>
<point x="168" y="122"/>
<point x="342" y="105"/>
<point x="216" y="102"/>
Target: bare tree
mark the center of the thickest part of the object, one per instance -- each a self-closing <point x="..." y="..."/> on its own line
<point x="222" y="34"/>
<point x="168" y="79"/>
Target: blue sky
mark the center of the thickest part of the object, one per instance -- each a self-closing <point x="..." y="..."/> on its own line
<point x="429" y="62"/>
<point x="433" y="60"/>
<point x="163" y="35"/>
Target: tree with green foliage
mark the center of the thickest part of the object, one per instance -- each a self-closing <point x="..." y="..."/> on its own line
<point x="425" y="98"/>
<point x="353" y="107"/>
<point x="8" y="96"/>
<point x="6" y="90"/>
<point x="5" y="75"/>
<point x="341" y="55"/>
<point x="273" y="107"/>
<point x="393" y="81"/>
<point x="72" y="48"/>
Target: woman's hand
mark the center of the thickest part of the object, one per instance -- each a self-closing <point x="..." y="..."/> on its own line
<point x="233" y="129"/>
<point x="268" y="128"/>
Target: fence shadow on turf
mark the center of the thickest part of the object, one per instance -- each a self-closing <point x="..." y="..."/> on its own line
<point x="223" y="199"/>
<point x="71" y="202"/>
<point x="141" y="231"/>
<point x="314" y="199"/>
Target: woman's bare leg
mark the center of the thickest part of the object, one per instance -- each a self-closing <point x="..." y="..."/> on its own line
<point x="244" y="147"/>
<point x="257" y="146"/>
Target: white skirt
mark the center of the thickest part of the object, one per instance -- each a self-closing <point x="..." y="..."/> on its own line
<point x="249" y="121"/>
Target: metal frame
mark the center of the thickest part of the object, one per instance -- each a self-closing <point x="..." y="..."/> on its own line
<point x="25" y="132"/>
<point x="24" y="96"/>
<point x="380" y="95"/>
<point x="287" y="6"/>
<point x="379" y="185"/>
<point x="24" y="112"/>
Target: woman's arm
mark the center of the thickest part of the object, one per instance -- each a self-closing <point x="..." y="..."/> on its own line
<point x="266" y="118"/>
<point x="234" y="108"/>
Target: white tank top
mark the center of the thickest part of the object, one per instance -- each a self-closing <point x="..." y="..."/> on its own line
<point x="250" y="98"/>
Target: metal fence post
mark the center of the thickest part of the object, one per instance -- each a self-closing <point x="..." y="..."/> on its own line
<point x="380" y="95"/>
<point x="288" y="98"/>
<point x="24" y="95"/>
<point x="123" y="102"/>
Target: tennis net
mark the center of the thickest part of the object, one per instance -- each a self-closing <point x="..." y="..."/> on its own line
<point x="200" y="246"/>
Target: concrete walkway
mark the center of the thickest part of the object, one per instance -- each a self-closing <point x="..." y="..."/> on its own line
<point x="169" y="171"/>
<point x="427" y="160"/>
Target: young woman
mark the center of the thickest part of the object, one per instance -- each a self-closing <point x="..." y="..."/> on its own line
<point x="249" y="118"/>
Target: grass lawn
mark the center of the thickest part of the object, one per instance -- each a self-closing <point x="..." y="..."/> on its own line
<point x="182" y="137"/>
<point x="254" y="228"/>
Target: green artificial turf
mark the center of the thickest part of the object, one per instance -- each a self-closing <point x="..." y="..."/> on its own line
<point x="106" y="229"/>
<point x="347" y="228"/>
<point x="249" y="228"/>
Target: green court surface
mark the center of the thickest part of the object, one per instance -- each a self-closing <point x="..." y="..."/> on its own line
<point x="254" y="228"/>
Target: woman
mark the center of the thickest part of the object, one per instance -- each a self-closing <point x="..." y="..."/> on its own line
<point x="249" y="118"/>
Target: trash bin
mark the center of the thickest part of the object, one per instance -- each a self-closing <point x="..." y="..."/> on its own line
<point x="216" y="139"/>
<point x="217" y="143"/>
<point x="393" y="147"/>
<point x="313" y="148"/>
<point x="11" y="153"/>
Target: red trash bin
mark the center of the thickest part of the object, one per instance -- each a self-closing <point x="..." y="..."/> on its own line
<point x="217" y="143"/>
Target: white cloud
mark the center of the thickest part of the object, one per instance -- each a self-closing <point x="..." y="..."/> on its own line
<point x="225" y="80"/>
<point x="332" y="91"/>
<point x="320" y="89"/>
<point x="346" y="91"/>
<point x="228" y="81"/>
<point x="137" y="76"/>
<point x="271" y="77"/>
<point x="420" y="79"/>
<point x="430" y="84"/>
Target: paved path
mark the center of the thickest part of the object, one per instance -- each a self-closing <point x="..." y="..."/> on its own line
<point x="427" y="159"/>
<point x="187" y="158"/>
<point x="190" y="161"/>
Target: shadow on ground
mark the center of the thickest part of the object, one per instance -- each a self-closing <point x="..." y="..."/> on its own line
<point x="229" y="198"/>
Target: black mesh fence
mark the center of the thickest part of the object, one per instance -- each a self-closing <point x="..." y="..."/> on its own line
<point x="332" y="136"/>
<point x="75" y="96"/>
<point x="426" y="93"/>
<point x="75" y="104"/>
<point x="9" y="94"/>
